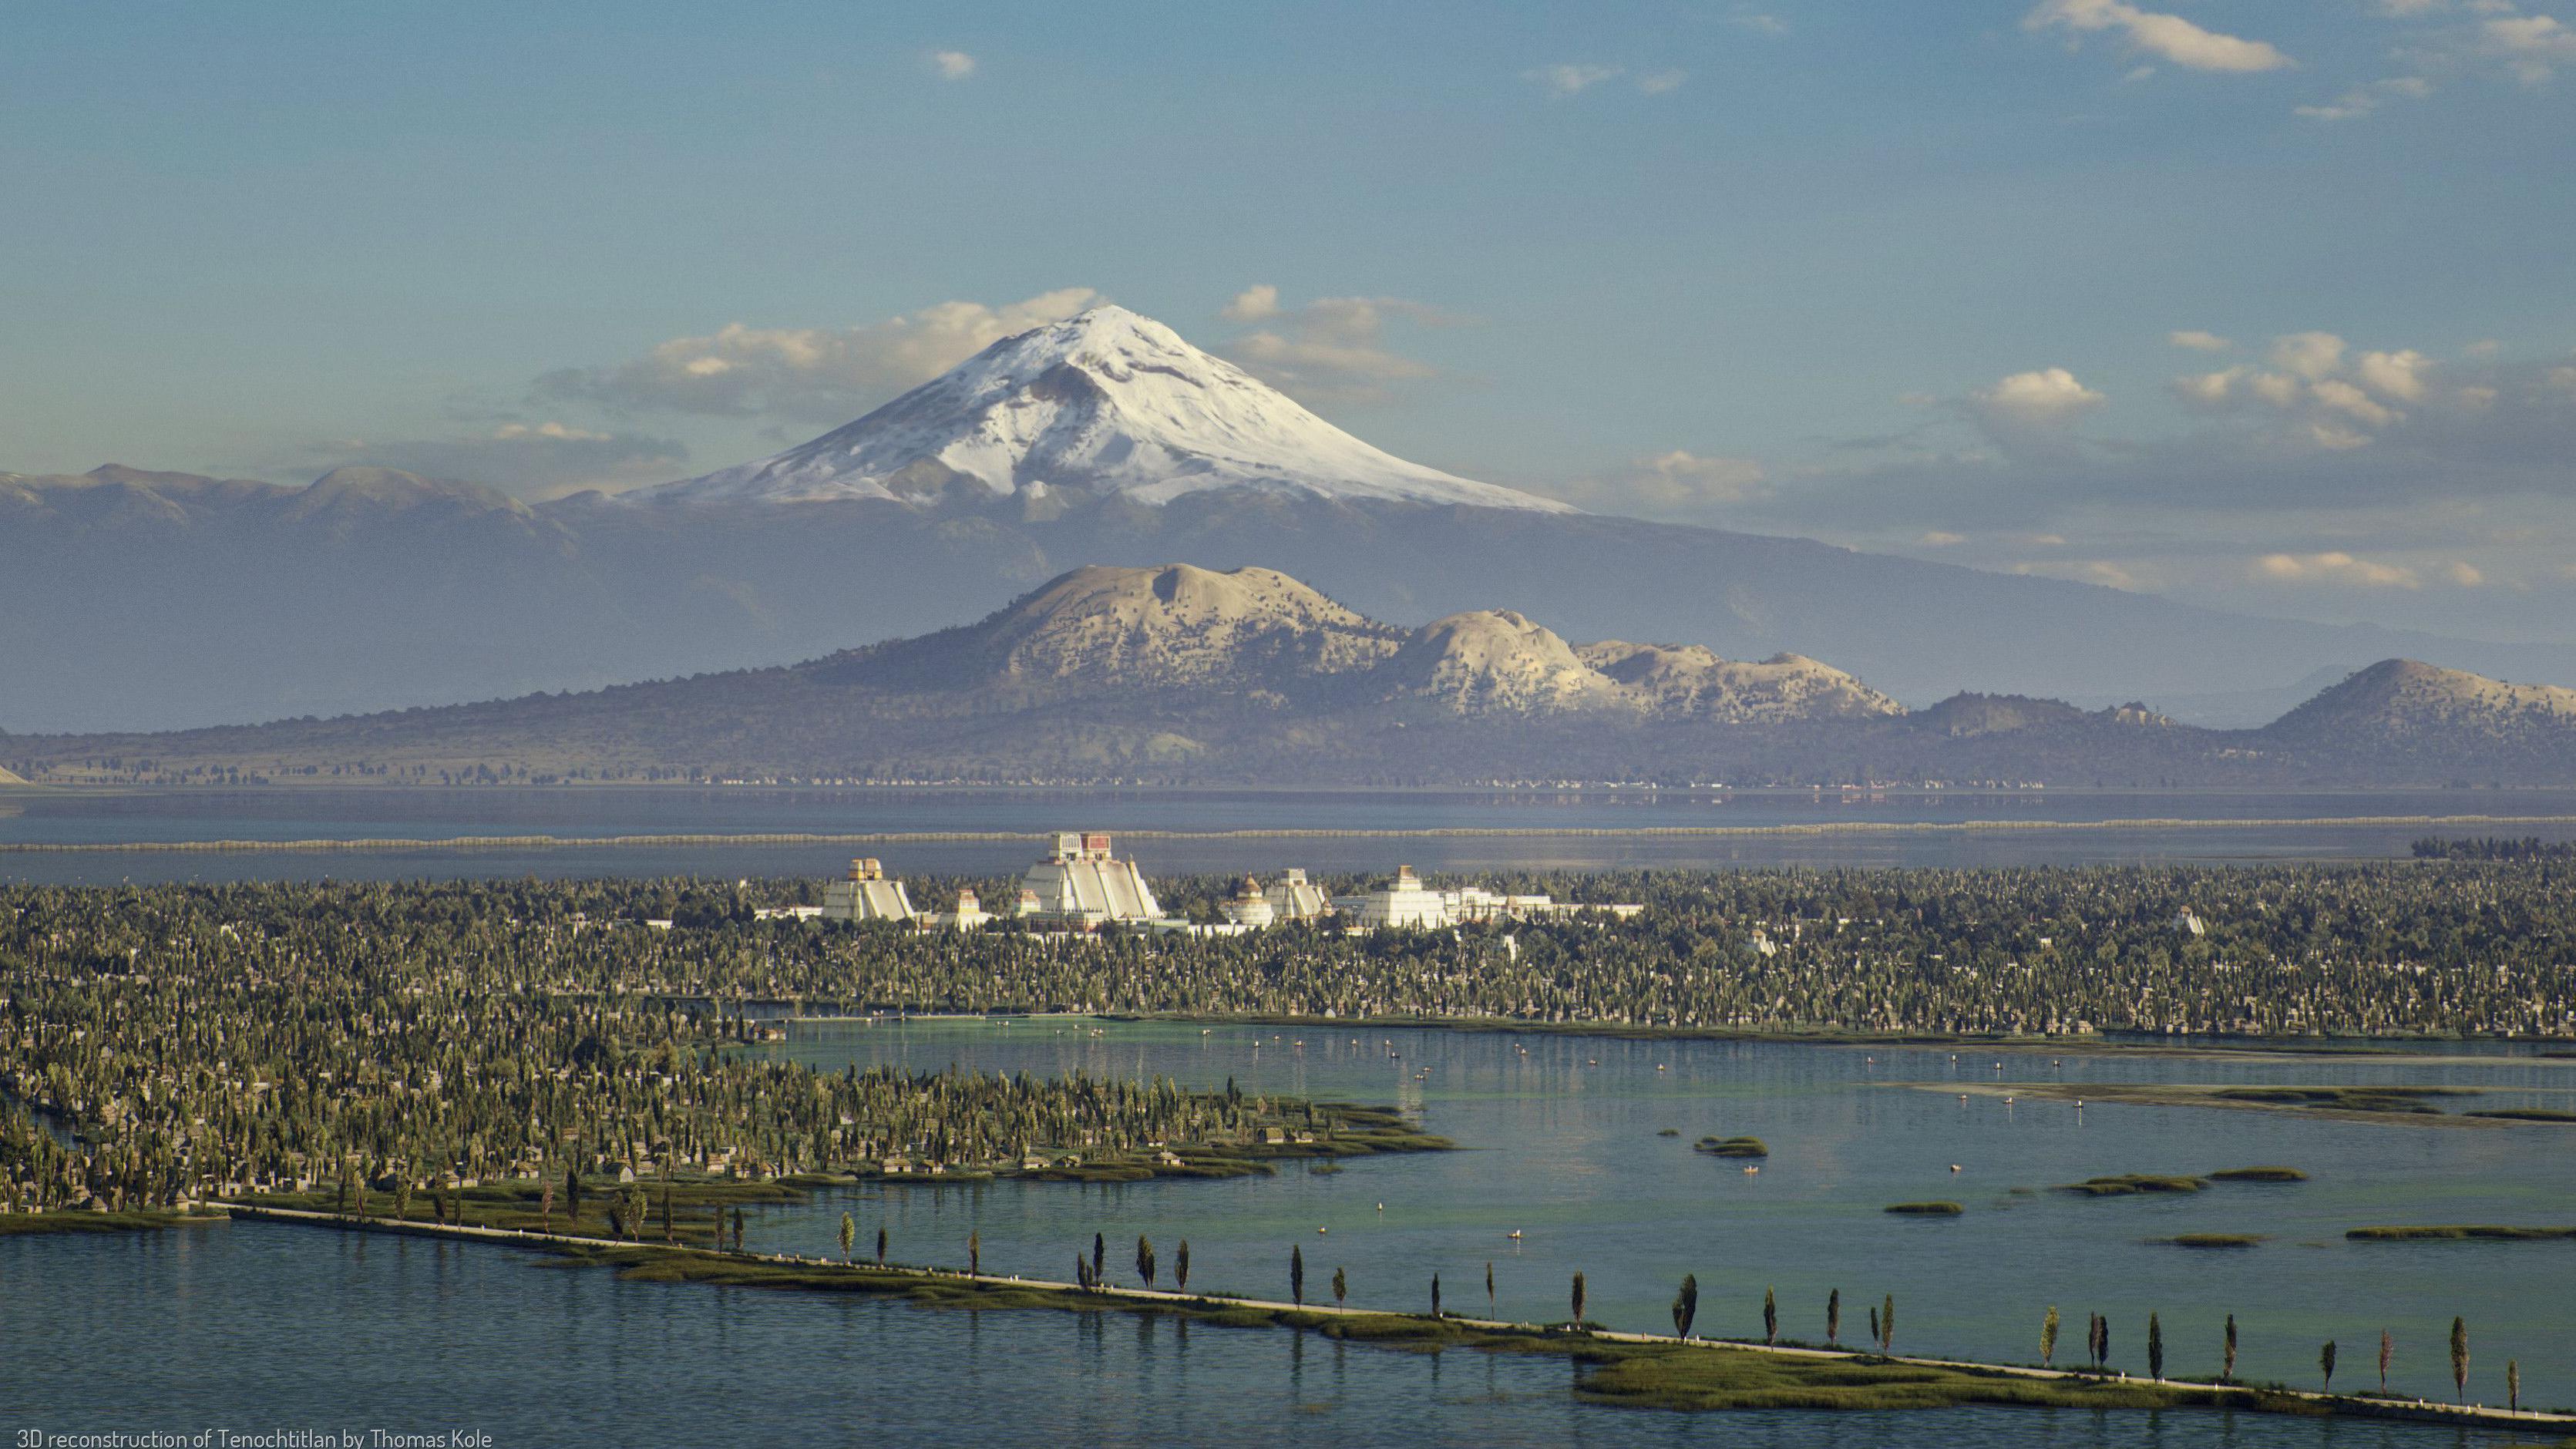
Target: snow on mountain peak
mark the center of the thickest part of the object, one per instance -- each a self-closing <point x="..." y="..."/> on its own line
<point x="1104" y="402"/>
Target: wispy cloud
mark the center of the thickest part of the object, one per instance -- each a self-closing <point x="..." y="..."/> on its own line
<point x="806" y="373"/>
<point x="1332" y="349"/>
<point x="2168" y="37"/>
<point x="952" y="64"/>
<point x="1561" y="81"/>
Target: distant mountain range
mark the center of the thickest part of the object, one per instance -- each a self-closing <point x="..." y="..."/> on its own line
<point x="1183" y="675"/>
<point x="138" y="600"/>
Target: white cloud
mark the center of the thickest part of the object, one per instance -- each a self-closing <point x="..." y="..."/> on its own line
<point x="2359" y="101"/>
<point x="2199" y="341"/>
<point x="1329" y="350"/>
<point x="2463" y="574"/>
<point x="1676" y="484"/>
<point x="1759" y="22"/>
<point x="2531" y="46"/>
<point x="2045" y="397"/>
<point x="549" y="431"/>
<point x="2311" y="355"/>
<point x="1256" y="303"/>
<point x="2338" y="396"/>
<point x="1570" y="80"/>
<point x="2169" y="37"/>
<point x="809" y="373"/>
<point x="2208" y="389"/>
<point x="1662" y="81"/>
<point x="2395" y="374"/>
<point x="2563" y="379"/>
<point x="1942" y="538"/>
<point x="2337" y="569"/>
<point x="952" y="64"/>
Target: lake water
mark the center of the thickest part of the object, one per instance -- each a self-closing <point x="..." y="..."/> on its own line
<point x="2278" y="828"/>
<point x="249" y="1324"/>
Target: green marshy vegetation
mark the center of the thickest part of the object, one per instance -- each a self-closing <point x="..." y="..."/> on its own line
<point x="2219" y="1241"/>
<point x="2347" y="1099"/>
<point x="2460" y="1232"/>
<point x="1926" y="1209"/>
<point x="2133" y="1184"/>
<point x="1732" y="1147"/>
<point x="2258" y="1174"/>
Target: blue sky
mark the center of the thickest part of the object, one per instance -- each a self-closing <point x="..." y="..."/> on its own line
<point x="1905" y="277"/>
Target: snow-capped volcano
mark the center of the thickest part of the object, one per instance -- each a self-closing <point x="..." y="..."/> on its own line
<point x="1104" y="402"/>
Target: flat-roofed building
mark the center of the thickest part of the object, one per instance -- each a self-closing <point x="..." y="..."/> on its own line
<point x="1401" y="902"/>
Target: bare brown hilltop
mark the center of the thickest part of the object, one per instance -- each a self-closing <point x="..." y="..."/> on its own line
<point x="1182" y="674"/>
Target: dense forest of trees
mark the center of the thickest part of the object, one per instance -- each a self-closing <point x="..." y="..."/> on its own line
<point x="154" y="1040"/>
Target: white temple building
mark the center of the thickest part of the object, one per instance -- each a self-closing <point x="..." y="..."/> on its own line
<point x="1082" y="886"/>
<point x="1401" y="902"/>
<point x="866" y="895"/>
<point x="1294" y="898"/>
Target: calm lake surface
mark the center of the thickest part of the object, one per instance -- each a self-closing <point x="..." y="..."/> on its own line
<point x="250" y="1326"/>
<point x="296" y="813"/>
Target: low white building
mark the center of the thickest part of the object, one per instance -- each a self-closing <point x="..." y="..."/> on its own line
<point x="1082" y="885"/>
<point x="1401" y="902"/>
<point x="1248" y="907"/>
<point x="970" y="914"/>
<point x="866" y="895"/>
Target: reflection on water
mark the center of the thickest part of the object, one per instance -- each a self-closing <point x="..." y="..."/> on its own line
<point x="1562" y="1146"/>
<point x="256" y="1328"/>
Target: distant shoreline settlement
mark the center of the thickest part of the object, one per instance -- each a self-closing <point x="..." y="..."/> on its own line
<point x="1081" y="885"/>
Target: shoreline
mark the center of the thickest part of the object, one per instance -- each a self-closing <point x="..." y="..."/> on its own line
<point x="324" y="845"/>
<point x="1627" y="1369"/>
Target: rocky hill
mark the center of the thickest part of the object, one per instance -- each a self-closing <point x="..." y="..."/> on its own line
<point x="1186" y="675"/>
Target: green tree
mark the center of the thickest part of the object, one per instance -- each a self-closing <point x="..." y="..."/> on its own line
<point x="1099" y="1256"/>
<point x="1342" y="1288"/>
<point x="1297" y="1275"/>
<point x="737" y="1229"/>
<point x="1873" y="1324"/>
<point x="2048" y="1336"/>
<point x="881" y="1245"/>
<point x="1435" y="1295"/>
<point x="1770" y="1317"/>
<point x="2155" y="1349"/>
<point x="1578" y="1299"/>
<point x="2325" y="1364"/>
<point x="1489" y="1287"/>
<point x="2387" y="1351"/>
<point x="2227" y="1369"/>
<point x="1834" y="1317"/>
<point x="975" y="1253"/>
<point x="1181" y="1267"/>
<point x="572" y="1196"/>
<point x="2513" y="1383"/>
<point x="1887" y="1325"/>
<point x="2459" y="1359"/>
<point x="1145" y="1259"/>
<point x="1686" y="1305"/>
<point x="849" y="1236"/>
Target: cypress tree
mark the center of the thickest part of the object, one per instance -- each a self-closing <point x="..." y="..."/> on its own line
<point x="2227" y="1372"/>
<point x="1181" y="1267"/>
<point x="1145" y="1259"/>
<point x="1435" y="1295"/>
<point x="2048" y="1337"/>
<point x="1342" y="1289"/>
<point x="2387" y="1351"/>
<point x="1578" y="1299"/>
<point x="1686" y="1305"/>
<point x="975" y="1253"/>
<point x="2155" y="1349"/>
<point x="2459" y="1359"/>
<point x="2325" y="1364"/>
<point x="1834" y="1316"/>
<point x="1770" y="1317"/>
<point x="1297" y="1275"/>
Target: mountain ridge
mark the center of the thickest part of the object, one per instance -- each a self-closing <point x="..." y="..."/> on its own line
<point x="1183" y="675"/>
